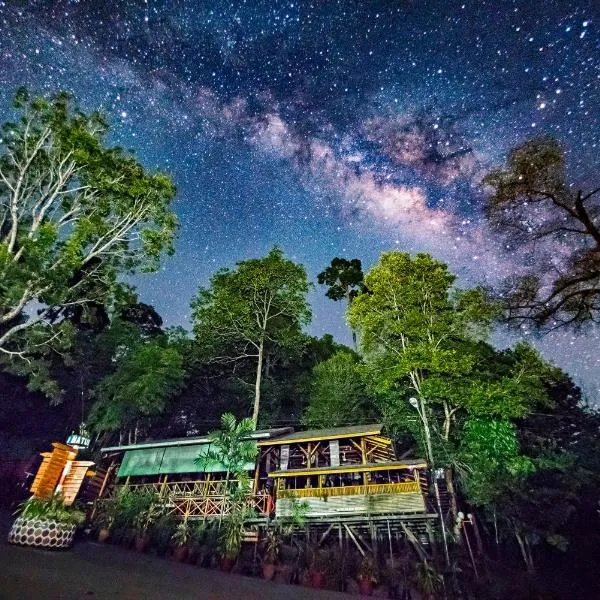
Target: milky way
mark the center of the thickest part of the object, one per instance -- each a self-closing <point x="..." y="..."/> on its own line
<point x="329" y="128"/>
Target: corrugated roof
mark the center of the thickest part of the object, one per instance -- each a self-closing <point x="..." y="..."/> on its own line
<point x="331" y="433"/>
<point x="194" y="440"/>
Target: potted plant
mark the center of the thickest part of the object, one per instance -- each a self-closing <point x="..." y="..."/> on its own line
<point x="46" y="522"/>
<point x="428" y="580"/>
<point x="180" y="540"/>
<point x="197" y="538"/>
<point x="320" y="560"/>
<point x="272" y="546"/>
<point x="209" y="546"/>
<point x="149" y="510"/>
<point x="126" y="510"/>
<point x="161" y="534"/>
<point x="367" y="575"/>
<point x="104" y="522"/>
<point x="231" y="537"/>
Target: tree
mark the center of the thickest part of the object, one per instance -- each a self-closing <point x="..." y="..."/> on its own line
<point x="338" y="395"/>
<point x="262" y="302"/>
<point x="231" y="447"/>
<point x="422" y="337"/>
<point x="533" y="204"/>
<point x="148" y="376"/>
<point x="75" y="214"/>
<point x="418" y="330"/>
<point x="345" y="279"/>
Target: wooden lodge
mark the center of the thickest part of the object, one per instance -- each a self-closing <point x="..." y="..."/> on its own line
<point x="346" y="475"/>
<point x="189" y="487"/>
<point x="340" y="471"/>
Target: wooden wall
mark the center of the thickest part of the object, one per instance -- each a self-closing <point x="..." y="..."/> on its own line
<point x="372" y="504"/>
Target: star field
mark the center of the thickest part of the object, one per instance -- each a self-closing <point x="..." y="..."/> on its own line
<point x="330" y="128"/>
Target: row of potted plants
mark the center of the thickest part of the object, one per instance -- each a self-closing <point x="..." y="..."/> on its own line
<point x="137" y="520"/>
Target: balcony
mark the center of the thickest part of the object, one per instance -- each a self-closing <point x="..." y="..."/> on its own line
<point x="407" y="487"/>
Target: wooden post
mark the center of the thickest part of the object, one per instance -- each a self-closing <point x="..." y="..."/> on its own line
<point x="256" y="473"/>
<point x="364" y="458"/>
<point x="163" y="486"/>
<point x="373" y="533"/>
<point x="105" y="480"/>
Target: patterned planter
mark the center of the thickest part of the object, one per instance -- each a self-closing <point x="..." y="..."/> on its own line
<point x="42" y="533"/>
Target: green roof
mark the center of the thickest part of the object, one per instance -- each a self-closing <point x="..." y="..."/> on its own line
<point x="163" y="460"/>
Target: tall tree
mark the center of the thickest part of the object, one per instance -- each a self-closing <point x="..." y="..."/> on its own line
<point x="261" y="302"/>
<point x="422" y="337"/>
<point x="338" y="395"/>
<point x="148" y="375"/>
<point x="75" y="214"/>
<point x="536" y="207"/>
<point x="345" y="279"/>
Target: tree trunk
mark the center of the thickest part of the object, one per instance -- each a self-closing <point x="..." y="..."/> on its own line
<point x="259" y="367"/>
<point x="453" y="503"/>
<point x="525" y="553"/>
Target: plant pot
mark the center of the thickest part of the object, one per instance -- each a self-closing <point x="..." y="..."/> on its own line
<point x="180" y="553"/>
<point x="269" y="571"/>
<point x="227" y="564"/>
<point x="103" y="535"/>
<point x="142" y="542"/>
<point x="365" y="587"/>
<point x="127" y="539"/>
<point x="42" y="533"/>
<point x="317" y="579"/>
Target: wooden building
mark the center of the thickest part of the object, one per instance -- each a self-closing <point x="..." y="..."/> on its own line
<point x="349" y="477"/>
<point x="341" y="471"/>
<point x="189" y="487"/>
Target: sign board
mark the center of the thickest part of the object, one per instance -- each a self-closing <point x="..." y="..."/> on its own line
<point x="334" y="452"/>
<point x="285" y="457"/>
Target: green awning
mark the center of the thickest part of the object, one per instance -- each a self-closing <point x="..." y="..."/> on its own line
<point x="169" y="459"/>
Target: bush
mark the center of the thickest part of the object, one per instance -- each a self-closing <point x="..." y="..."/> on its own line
<point x="52" y="507"/>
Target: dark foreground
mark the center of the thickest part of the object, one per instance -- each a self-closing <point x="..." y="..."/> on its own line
<point x="97" y="571"/>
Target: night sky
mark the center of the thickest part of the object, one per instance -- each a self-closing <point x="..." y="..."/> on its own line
<point x="330" y="128"/>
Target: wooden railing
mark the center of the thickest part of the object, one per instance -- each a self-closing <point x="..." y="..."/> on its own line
<point x="200" y="498"/>
<point x="407" y="487"/>
<point x="184" y="489"/>
<point x="214" y="506"/>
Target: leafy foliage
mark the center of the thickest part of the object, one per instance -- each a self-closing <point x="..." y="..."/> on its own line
<point x="539" y="211"/>
<point x="344" y="278"/>
<point x="51" y="507"/>
<point x="262" y="302"/>
<point x="147" y="377"/>
<point x="338" y="395"/>
<point x="231" y="447"/>
<point x="74" y="216"/>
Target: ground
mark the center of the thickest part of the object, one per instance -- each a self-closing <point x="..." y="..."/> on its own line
<point x="98" y="571"/>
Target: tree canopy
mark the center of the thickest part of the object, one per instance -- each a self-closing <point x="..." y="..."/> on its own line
<point x="343" y="277"/>
<point x="261" y="302"/>
<point x="148" y="375"/>
<point x="75" y="215"/>
<point x="535" y="206"/>
<point x="338" y="395"/>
